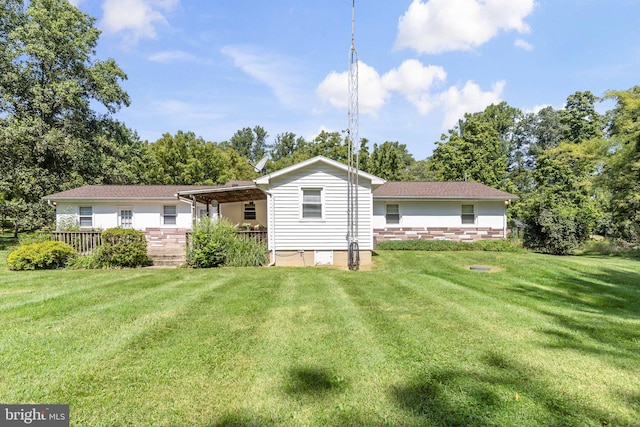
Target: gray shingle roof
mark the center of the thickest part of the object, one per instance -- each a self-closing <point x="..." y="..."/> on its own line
<point x="98" y="192"/>
<point x="440" y="190"/>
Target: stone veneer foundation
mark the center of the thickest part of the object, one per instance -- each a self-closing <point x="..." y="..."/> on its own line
<point x="166" y="237"/>
<point x="465" y="234"/>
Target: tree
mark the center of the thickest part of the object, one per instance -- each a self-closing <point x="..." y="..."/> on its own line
<point x="331" y="145"/>
<point x="622" y="171"/>
<point x="249" y="143"/>
<point x="580" y="119"/>
<point x="559" y="214"/>
<point x="51" y="138"/>
<point x="286" y="145"/>
<point x="390" y="161"/>
<point x="478" y="149"/>
<point x="534" y="133"/>
<point x="186" y="159"/>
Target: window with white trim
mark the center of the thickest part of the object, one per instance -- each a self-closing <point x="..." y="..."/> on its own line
<point x="169" y="215"/>
<point x="85" y="216"/>
<point x="126" y="218"/>
<point x="311" y="203"/>
<point x="468" y="214"/>
<point x="393" y="214"/>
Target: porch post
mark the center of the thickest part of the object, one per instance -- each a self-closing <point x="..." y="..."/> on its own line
<point x="194" y="211"/>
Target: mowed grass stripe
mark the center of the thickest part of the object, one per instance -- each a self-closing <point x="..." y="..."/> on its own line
<point x="198" y="360"/>
<point x="421" y="340"/>
<point x="90" y="335"/>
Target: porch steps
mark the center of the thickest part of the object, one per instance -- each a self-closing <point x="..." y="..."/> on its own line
<point x="167" y="257"/>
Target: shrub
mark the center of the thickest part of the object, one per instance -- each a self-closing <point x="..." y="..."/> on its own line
<point x="448" y="245"/>
<point x="122" y="247"/>
<point x="84" y="262"/>
<point x="246" y="252"/>
<point x="40" y="256"/>
<point x="216" y="244"/>
<point x="35" y="237"/>
<point x="557" y="229"/>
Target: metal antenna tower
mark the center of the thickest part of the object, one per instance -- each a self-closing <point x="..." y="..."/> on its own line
<point x="353" y="152"/>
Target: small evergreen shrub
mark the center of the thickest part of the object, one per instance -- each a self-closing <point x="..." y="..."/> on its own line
<point x="122" y="247"/>
<point x="448" y="245"/>
<point x="216" y="244"/>
<point x="41" y="256"/>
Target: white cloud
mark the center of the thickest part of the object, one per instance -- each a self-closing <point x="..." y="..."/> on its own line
<point x="272" y="70"/>
<point x="470" y="99"/>
<point x="371" y="91"/>
<point x="414" y="81"/>
<point x="436" y="26"/>
<point x="136" y="18"/>
<point x="169" y="56"/>
<point x="75" y="3"/>
<point x="411" y="79"/>
<point x="522" y="44"/>
<point x="537" y="108"/>
<point x="185" y="112"/>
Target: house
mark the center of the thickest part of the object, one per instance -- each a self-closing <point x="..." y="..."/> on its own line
<point x="460" y="211"/>
<point x="301" y="208"/>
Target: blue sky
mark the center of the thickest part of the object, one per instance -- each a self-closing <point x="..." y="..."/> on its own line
<point x="213" y="67"/>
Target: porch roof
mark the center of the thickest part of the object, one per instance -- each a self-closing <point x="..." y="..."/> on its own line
<point x="244" y="192"/>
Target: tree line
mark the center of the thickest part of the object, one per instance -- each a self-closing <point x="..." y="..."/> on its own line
<point x="577" y="172"/>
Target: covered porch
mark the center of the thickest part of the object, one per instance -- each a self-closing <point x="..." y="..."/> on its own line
<point x="240" y="202"/>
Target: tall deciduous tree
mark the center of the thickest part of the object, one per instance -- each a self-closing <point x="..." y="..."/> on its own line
<point x="622" y="172"/>
<point x="580" y="119"/>
<point x="478" y="149"/>
<point x="249" y="143"/>
<point x="390" y="161"/>
<point x="184" y="158"/>
<point x="51" y="137"/>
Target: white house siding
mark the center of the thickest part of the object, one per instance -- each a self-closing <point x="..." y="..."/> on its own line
<point x="145" y="214"/>
<point x="290" y="232"/>
<point x="439" y="219"/>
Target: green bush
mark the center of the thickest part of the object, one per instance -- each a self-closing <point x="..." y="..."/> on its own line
<point x="40" y="256"/>
<point x="448" y="245"/>
<point x="246" y="252"/>
<point x="216" y="244"/>
<point x="611" y="247"/>
<point x="122" y="247"/>
<point x="84" y="262"/>
<point x="35" y="237"/>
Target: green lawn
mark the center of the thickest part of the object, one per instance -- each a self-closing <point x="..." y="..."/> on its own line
<point x="419" y="340"/>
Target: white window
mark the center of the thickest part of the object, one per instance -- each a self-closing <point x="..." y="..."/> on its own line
<point x="250" y="211"/>
<point x="169" y="215"/>
<point x="393" y="214"/>
<point x="311" y="203"/>
<point x="126" y="218"/>
<point x="85" y="216"/>
<point x="468" y="214"/>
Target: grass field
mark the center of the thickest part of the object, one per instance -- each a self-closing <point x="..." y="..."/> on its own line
<point x="419" y="340"/>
